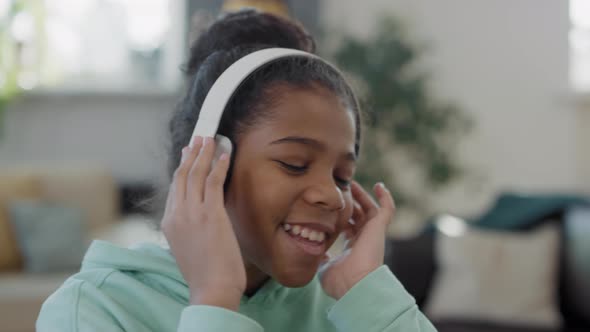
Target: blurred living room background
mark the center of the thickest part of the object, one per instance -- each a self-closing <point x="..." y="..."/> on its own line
<point x="477" y="115"/>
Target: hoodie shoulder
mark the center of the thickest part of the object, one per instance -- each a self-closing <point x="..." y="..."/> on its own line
<point x="117" y="289"/>
<point x="63" y="310"/>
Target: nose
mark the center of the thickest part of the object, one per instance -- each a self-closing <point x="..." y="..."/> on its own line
<point x="325" y="194"/>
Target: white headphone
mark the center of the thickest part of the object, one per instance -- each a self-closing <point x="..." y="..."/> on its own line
<point x="225" y="86"/>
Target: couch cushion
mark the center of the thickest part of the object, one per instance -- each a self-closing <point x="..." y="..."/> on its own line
<point x="90" y="188"/>
<point x="13" y="185"/>
<point x="513" y="211"/>
<point x="503" y="277"/>
<point x="51" y="237"/>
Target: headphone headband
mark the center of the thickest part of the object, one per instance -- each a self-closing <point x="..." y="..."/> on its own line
<point x="225" y="86"/>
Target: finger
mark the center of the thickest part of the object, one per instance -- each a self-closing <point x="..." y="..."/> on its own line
<point x="355" y="223"/>
<point x="385" y="201"/>
<point x="200" y="170"/>
<point x="178" y="186"/>
<point x="349" y="233"/>
<point x="368" y="205"/>
<point x="358" y="215"/>
<point x="214" y="188"/>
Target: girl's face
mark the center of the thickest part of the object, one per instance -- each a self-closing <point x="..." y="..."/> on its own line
<point x="291" y="175"/>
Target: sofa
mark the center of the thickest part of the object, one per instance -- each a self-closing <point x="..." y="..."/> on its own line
<point x="90" y="191"/>
<point x="417" y="262"/>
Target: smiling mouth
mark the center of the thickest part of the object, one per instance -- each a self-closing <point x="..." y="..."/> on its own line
<point x="310" y="241"/>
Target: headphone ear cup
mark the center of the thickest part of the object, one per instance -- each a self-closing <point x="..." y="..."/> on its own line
<point x="223" y="145"/>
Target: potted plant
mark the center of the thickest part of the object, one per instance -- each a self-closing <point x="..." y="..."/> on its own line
<point x="408" y="132"/>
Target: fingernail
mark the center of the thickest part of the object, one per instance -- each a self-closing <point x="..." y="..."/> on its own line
<point x="205" y="143"/>
<point x="223" y="156"/>
<point x="183" y="155"/>
<point x="196" y="140"/>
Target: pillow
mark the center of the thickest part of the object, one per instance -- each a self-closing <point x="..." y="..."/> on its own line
<point x="499" y="277"/>
<point x="93" y="190"/>
<point x="51" y="237"/>
<point x="525" y="211"/>
<point x="13" y="186"/>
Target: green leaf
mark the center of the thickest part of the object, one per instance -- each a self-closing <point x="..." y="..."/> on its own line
<point x="400" y="108"/>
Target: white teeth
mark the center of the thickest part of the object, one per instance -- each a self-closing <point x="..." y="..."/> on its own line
<point x="314" y="236"/>
<point x="304" y="232"/>
<point x="321" y="237"/>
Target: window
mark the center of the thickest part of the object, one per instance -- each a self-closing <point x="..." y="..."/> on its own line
<point x="93" y="45"/>
<point x="579" y="39"/>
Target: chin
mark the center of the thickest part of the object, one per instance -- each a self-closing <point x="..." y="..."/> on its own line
<point x="296" y="277"/>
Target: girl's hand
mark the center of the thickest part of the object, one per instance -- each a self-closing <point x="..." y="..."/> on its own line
<point x="365" y="245"/>
<point x="199" y="231"/>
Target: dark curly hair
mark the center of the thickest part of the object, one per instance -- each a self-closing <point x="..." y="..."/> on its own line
<point x="230" y="38"/>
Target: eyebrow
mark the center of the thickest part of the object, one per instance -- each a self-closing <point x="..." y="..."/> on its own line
<point x="309" y="142"/>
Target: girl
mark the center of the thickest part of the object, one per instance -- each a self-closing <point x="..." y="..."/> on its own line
<point x="248" y="235"/>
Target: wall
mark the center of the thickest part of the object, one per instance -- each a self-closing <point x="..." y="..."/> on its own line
<point x="124" y="133"/>
<point x="506" y="63"/>
<point x="583" y="137"/>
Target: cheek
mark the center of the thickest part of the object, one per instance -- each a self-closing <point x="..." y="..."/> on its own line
<point x="263" y="202"/>
<point x="272" y="205"/>
<point x="245" y="204"/>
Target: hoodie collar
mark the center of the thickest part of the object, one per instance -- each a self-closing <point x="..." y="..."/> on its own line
<point x="149" y="258"/>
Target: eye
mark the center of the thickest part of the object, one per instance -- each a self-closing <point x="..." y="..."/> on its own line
<point x="293" y="168"/>
<point x="342" y="182"/>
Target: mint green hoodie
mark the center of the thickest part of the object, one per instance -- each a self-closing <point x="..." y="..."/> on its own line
<point x="141" y="289"/>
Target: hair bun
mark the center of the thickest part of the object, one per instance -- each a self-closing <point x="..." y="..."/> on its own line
<point x="245" y="28"/>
